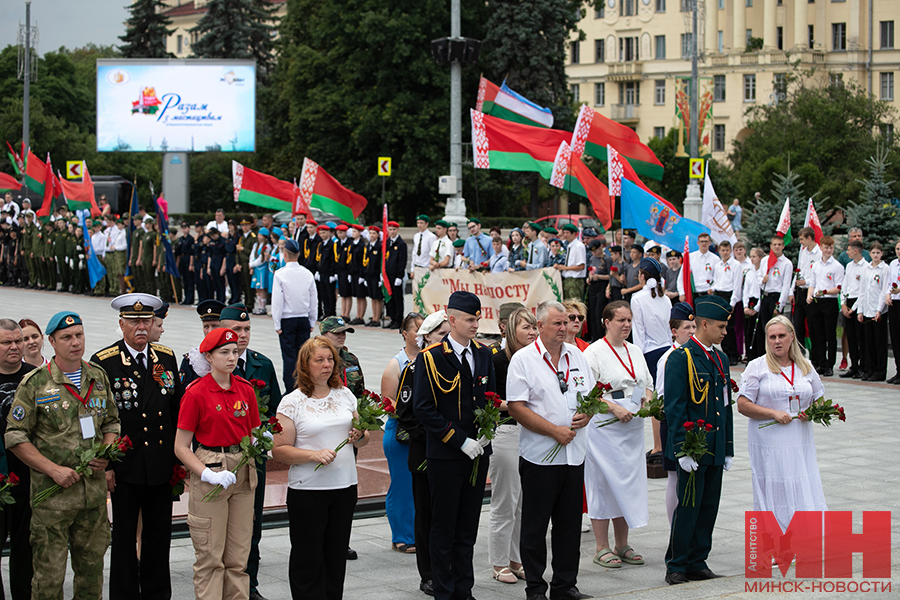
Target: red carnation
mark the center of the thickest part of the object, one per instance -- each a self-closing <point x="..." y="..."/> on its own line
<point x="13" y="479"/>
<point x="614" y="269"/>
<point x="839" y="287"/>
<point x="689" y="425"/>
<point x="796" y="270"/>
<point x="493" y="398"/>
<point x="708" y="427"/>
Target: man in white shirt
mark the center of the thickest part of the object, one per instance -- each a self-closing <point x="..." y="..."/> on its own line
<point x="806" y="260"/>
<point x="726" y="279"/>
<point x="295" y="305"/>
<point x="11" y="207"/>
<point x="776" y="283"/>
<point x="824" y="285"/>
<point x="543" y="382"/>
<point x="575" y="269"/>
<point x="442" y="248"/>
<point x="739" y="252"/>
<point x="219" y="222"/>
<point x="852" y="288"/>
<point x="703" y="264"/>
<point x="421" y="246"/>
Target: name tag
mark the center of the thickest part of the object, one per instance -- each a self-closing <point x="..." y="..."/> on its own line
<point x="87" y="426"/>
<point x="636" y="398"/>
<point x="794" y="404"/>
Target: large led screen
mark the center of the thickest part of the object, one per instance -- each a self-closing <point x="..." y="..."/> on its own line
<point x="176" y="105"/>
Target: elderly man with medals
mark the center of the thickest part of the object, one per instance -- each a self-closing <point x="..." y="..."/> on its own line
<point x="147" y="391"/>
<point x="698" y="387"/>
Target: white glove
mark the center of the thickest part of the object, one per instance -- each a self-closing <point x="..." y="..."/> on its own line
<point x="362" y="281"/>
<point x="687" y="464"/>
<point x="332" y="279"/>
<point x="268" y="434"/>
<point x="398" y="281"/>
<point x="729" y="460"/>
<point x="223" y="478"/>
<point x="317" y="276"/>
<point x="483" y="441"/>
<point x="349" y="278"/>
<point x="472" y="448"/>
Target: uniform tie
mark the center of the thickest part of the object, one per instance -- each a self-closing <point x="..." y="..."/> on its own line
<point x="465" y="361"/>
<point x="419" y="247"/>
<point x="141" y="360"/>
<point x="241" y="366"/>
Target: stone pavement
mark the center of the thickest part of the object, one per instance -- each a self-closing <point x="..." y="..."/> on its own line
<point x="856" y="459"/>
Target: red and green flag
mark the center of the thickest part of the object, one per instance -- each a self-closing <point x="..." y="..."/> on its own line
<point x="35" y="173"/>
<point x="594" y="132"/>
<point x="16" y="159"/>
<point x="260" y="189"/>
<point x="50" y="187"/>
<point x="320" y="190"/>
<point x="783" y="231"/>
<point x="509" y="146"/>
<point x="8" y="183"/>
<point x="687" y="277"/>
<point x="504" y="103"/>
<point x="571" y="174"/>
<point x="80" y="195"/>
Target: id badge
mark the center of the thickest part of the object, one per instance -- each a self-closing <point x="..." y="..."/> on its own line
<point x="794" y="404"/>
<point x="636" y="396"/>
<point x="87" y="426"/>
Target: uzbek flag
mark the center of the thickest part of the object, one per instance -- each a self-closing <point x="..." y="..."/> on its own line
<point x="594" y="132"/>
<point x="80" y="195"/>
<point x="571" y="174"/>
<point x="504" y="103"/>
<point x="508" y="146"/>
<point x="320" y="190"/>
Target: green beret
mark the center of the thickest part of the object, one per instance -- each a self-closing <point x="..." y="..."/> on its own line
<point x="459" y="243"/>
<point x="508" y="308"/>
<point x="550" y="230"/>
<point x="533" y="225"/>
<point x="234" y="312"/>
<point x="423" y="218"/>
<point x="452" y="224"/>
<point x="474" y="220"/>
<point x="713" y="308"/>
<point x="442" y="223"/>
<point x="570" y="227"/>
<point x="62" y="320"/>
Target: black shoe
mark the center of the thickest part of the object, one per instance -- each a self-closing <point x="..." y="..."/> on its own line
<point x="357" y="322"/>
<point x="393" y="326"/>
<point x="866" y="376"/>
<point x="893" y="379"/>
<point x="536" y="597"/>
<point x="570" y="594"/>
<point x="849" y="373"/>
<point x="676" y="577"/>
<point x="426" y="588"/>
<point x="255" y="595"/>
<point x="701" y="575"/>
<point x="351" y="554"/>
<point x="877" y="376"/>
<point x="860" y="375"/>
<point x="827" y="373"/>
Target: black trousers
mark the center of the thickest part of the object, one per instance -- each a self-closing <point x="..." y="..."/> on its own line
<point x="422" y="501"/>
<point x="767" y="306"/>
<point x="187" y="280"/>
<point x="328" y="294"/>
<point x="320" y="523"/>
<point x="15" y="522"/>
<point x="822" y="316"/>
<point x="457" y="504"/>
<point x="801" y="314"/>
<point x="855" y="338"/>
<point x="692" y="526"/>
<point x="294" y="333"/>
<point x="394" y="308"/>
<point x="875" y="333"/>
<point x="259" y="499"/>
<point x="596" y="304"/>
<point x="894" y="327"/>
<point x="729" y="344"/>
<point x="550" y="493"/>
<point x="151" y="580"/>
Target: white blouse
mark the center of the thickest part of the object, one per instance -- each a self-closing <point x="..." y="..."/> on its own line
<point x="650" y="325"/>
<point x="606" y="368"/>
<point x="774" y="390"/>
<point x="874" y="290"/>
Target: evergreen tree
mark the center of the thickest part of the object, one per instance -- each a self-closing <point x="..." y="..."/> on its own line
<point x="145" y="30"/>
<point x="878" y="215"/>
<point x="237" y="29"/>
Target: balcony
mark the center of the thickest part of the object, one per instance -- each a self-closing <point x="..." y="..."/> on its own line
<point x="750" y="58"/>
<point x="625" y="71"/>
<point x="626" y="113"/>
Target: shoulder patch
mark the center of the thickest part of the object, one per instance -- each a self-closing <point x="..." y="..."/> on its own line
<point x="108" y="352"/>
<point x="447" y="348"/>
<point x="163" y="349"/>
<point x="477" y="344"/>
<point x="434" y="345"/>
<point x="495" y="349"/>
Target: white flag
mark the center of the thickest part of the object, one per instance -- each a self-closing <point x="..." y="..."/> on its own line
<point x="714" y="216"/>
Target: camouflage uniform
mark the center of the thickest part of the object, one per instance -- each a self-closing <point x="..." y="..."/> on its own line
<point x="46" y="414"/>
<point x="353" y="375"/>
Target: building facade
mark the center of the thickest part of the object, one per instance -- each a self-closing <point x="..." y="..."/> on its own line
<point x="627" y="67"/>
<point x="186" y="15"/>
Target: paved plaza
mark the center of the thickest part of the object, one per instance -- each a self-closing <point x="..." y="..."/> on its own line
<point x="857" y="460"/>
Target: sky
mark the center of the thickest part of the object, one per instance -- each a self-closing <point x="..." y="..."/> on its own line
<point x="69" y="23"/>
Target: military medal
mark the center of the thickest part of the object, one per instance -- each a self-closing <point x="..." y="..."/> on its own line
<point x="163" y="391"/>
<point x="218" y="407"/>
<point x="65" y="404"/>
<point x="128" y="406"/>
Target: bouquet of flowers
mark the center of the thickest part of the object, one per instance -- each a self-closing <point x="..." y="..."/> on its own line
<point x="6" y="483"/>
<point x="654" y="408"/>
<point x="820" y="411"/>
<point x="371" y="408"/>
<point x="112" y="452"/>
<point x="487" y="420"/>
<point x="694" y="447"/>
<point x="254" y="446"/>
<point x="261" y="403"/>
<point x="589" y="405"/>
<point x="179" y="474"/>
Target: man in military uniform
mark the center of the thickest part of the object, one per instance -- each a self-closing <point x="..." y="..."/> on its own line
<point x="329" y="254"/>
<point x="245" y="242"/>
<point x="215" y="265"/>
<point x="252" y="366"/>
<point x="184" y="250"/>
<point x="60" y="246"/>
<point x="147" y="393"/>
<point x="336" y="330"/>
<point x="136" y="253"/>
<point x="209" y="311"/>
<point x="61" y="410"/>
<point x="698" y="386"/>
<point x="29" y="239"/>
<point x="395" y="268"/>
<point x="452" y="378"/>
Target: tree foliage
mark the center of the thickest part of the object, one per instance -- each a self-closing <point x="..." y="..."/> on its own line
<point x="878" y="214"/>
<point x="146" y="30"/>
<point x="237" y="29"/>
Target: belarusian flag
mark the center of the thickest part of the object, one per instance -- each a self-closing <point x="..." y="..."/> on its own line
<point x="783" y="231"/>
<point x="50" y="186"/>
<point x="15" y="158"/>
<point x="8" y="183"/>
<point x="80" y="195"/>
<point x="812" y="220"/>
<point x="619" y="168"/>
<point x="260" y="189"/>
<point x="385" y="282"/>
<point x="571" y="174"/>
<point x="322" y="191"/>
<point x="593" y="132"/>
<point x="508" y="146"/>
<point x="504" y="103"/>
<point x="687" y="278"/>
<point x="35" y="171"/>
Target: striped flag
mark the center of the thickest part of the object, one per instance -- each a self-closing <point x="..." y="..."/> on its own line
<point x="385" y="283"/>
<point x="812" y="220"/>
<point x="687" y="278"/>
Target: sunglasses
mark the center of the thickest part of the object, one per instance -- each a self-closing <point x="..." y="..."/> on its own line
<point x="573" y="318"/>
<point x="563" y="384"/>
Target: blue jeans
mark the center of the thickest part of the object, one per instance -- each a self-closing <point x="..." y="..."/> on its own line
<point x="398" y="503"/>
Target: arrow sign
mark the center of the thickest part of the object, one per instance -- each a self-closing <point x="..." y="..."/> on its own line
<point x="74" y="169"/>
<point x="696" y="168"/>
<point x="384" y="166"/>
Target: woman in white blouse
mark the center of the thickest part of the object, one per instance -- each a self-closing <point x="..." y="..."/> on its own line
<point x="778" y="387"/>
<point x="317" y="416"/>
<point x="615" y="471"/>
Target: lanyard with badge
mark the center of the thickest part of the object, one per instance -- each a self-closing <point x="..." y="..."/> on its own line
<point x="563" y="380"/>
<point x="794" y="397"/>
<point x="638" y="393"/>
<point x="86" y="421"/>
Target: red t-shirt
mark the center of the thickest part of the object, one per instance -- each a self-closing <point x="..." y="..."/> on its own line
<point x="219" y="417"/>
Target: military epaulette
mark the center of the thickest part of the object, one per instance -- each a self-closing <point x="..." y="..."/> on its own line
<point x="495" y="349"/>
<point x="163" y="349"/>
<point x="434" y="345"/>
<point x="477" y="344"/>
<point x="447" y="348"/>
<point x="34" y="372"/>
<point x="108" y="352"/>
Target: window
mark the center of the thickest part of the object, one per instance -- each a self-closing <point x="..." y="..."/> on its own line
<point x="779" y="84"/>
<point x="887" y="34"/>
<point x="780" y="2"/>
<point x="600" y="94"/>
<point x="749" y="35"/>
<point x="659" y="132"/>
<point x="628" y="49"/>
<point x="576" y="95"/>
<point x="749" y="88"/>
<point x="718" y="88"/>
<point x="887" y="132"/>
<point x="779" y="38"/>
<point x="180" y="43"/>
<point x="599" y="12"/>
<point x="838" y="36"/>
<point x="687" y="5"/>
<point x="659" y="92"/>
<point x="749" y="3"/>
<point x="660" y="5"/>
<point x="718" y="138"/>
<point x="811" y="35"/>
<point x="687" y="46"/>
<point x="630" y="93"/>
<point x="721" y="4"/>
<point x="627" y="8"/>
<point x="599" y="51"/>
<point x="887" y="86"/>
<point x="576" y="53"/>
<point x="660" y="47"/>
<point x="836" y="79"/>
<point x="720" y="41"/>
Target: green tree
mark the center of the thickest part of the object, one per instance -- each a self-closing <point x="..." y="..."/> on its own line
<point x="237" y="29"/>
<point x="878" y="215"/>
<point x="146" y="30"/>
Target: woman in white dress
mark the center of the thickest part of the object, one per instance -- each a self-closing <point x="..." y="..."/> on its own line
<point x="615" y="468"/>
<point x="779" y="386"/>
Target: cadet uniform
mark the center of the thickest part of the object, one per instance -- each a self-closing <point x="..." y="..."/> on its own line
<point x="209" y="311"/>
<point x="244" y="248"/>
<point x="60" y="246"/>
<point x="217" y="253"/>
<point x="329" y="254"/>
<point x="62" y="423"/>
<point x="184" y="250"/>
<point x="147" y="398"/>
<point x="698" y="386"/>
<point x="28" y="243"/>
<point x="395" y="268"/>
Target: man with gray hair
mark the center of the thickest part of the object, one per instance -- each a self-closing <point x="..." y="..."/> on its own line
<point x="543" y="383"/>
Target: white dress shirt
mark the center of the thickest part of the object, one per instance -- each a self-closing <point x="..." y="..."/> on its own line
<point x="894" y="283"/>
<point x="441" y="248"/>
<point x="98" y="243"/>
<point x="575" y="255"/>
<point x="117" y="240"/>
<point x="650" y="323"/>
<point x="826" y="276"/>
<point x="421" y="248"/>
<point x="703" y="269"/>
<point x="806" y="260"/>
<point x="458" y="350"/>
<point x="222" y="227"/>
<point x="853" y="278"/>
<point x="530" y="380"/>
<point x="134" y="353"/>
<point x="751" y="289"/>
<point x="780" y="279"/>
<point x="875" y="285"/>
<point x="294" y="295"/>
<point x="727" y="275"/>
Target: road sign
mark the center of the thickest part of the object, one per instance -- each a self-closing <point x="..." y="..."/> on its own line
<point x="74" y="169"/>
<point x="384" y="166"/>
<point x="696" y="168"/>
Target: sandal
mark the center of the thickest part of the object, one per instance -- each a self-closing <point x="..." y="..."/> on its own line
<point x="609" y="564"/>
<point x="504" y="575"/>
<point x="403" y="548"/>
<point x="634" y="559"/>
<point x="520" y="572"/>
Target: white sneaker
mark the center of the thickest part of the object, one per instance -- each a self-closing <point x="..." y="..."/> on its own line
<point x="585" y="524"/>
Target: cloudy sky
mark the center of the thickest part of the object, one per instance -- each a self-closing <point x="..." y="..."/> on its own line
<point x="69" y="23"/>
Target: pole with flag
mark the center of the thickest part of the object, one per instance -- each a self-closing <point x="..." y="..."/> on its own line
<point x="783" y="231"/>
<point x="162" y="239"/>
<point x="687" y="278"/>
<point x="385" y="282"/>
<point x="50" y="190"/>
<point x="132" y="210"/>
<point x="812" y="220"/>
<point x="96" y="270"/>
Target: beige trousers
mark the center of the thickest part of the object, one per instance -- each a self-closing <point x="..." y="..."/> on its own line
<point x="221" y="530"/>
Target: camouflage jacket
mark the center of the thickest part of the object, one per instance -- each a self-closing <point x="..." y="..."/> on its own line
<point x="353" y="375"/>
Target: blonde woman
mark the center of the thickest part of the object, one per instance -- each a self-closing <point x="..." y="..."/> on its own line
<point x="576" y="313"/>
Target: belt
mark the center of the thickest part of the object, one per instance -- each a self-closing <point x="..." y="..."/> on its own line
<point x="233" y="449"/>
<point x="770" y="294"/>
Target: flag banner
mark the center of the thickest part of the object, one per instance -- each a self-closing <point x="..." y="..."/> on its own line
<point x="687" y="277"/>
<point x="571" y="174"/>
<point x="594" y="132"/>
<point x="299" y="206"/>
<point x="812" y="220"/>
<point x="487" y="92"/>
<point x="162" y="238"/>
<point x="51" y="188"/>
<point x="683" y="112"/>
<point x="614" y="171"/>
<point x="622" y="169"/>
<point x="260" y="189"/>
<point x="655" y="220"/>
<point x="783" y="231"/>
<point x="504" y="103"/>
<point x="132" y="210"/>
<point x="320" y="190"/>
<point x="432" y="289"/>
<point x="385" y="282"/>
<point x="35" y="172"/>
<point x="96" y="270"/>
<point x="16" y="159"/>
<point x="508" y="146"/>
<point x="714" y="215"/>
<point x="80" y="194"/>
<point x="8" y="183"/>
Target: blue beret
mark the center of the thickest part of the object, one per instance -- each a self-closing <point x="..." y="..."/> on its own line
<point x="278" y="232"/>
<point x="682" y="311"/>
<point x="651" y="265"/>
<point x="264" y="231"/>
<point x="234" y="312"/>
<point x="331" y="224"/>
<point x="713" y="308"/>
<point x="292" y="246"/>
<point x="62" y="320"/>
<point x="466" y="302"/>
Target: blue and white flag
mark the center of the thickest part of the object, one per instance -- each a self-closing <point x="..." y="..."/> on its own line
<point x="656" y="221"/>
<point x="96" y="270"/>
<point x="519" y="104"/>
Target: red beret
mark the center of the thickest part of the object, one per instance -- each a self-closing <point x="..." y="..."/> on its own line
<point x="342" y="227"/>
<point x="218" y="337"/>
<point x="393" y="224"/>
<point x="358" y="227"/>
<point x="375" y="228"/>
<point x="322" y="227"/>
<point x="311" y="222"/>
